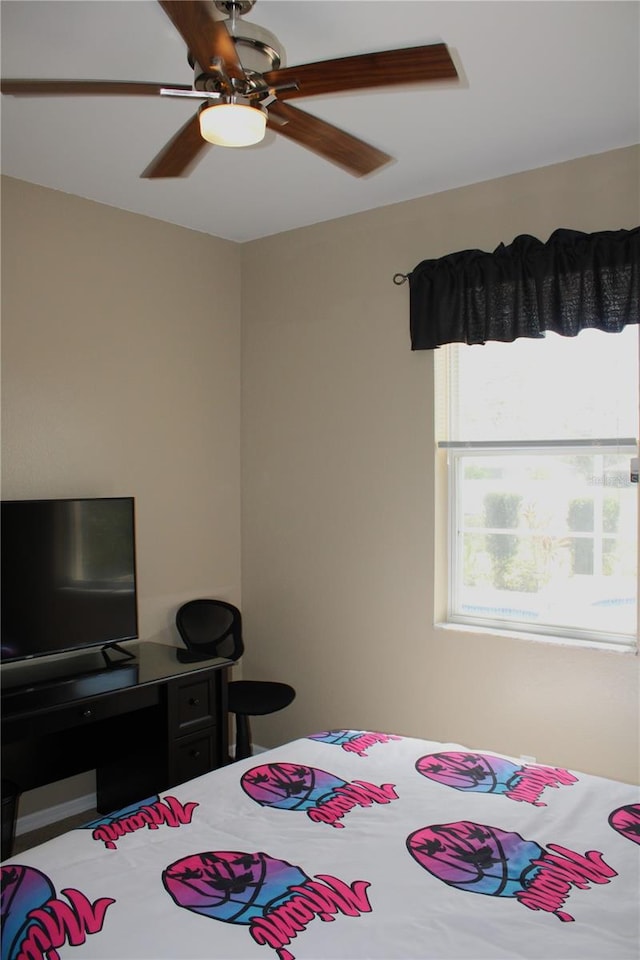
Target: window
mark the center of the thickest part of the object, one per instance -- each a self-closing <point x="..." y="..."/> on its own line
<point x="536" y="438"/>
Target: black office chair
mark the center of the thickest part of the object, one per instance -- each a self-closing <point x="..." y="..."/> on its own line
<point x="213" y="628"/>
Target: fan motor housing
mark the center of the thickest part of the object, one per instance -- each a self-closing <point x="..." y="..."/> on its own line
<point x="258" y="49"/>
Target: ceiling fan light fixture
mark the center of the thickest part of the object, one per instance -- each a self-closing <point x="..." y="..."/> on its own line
<point x="233" y="123"/>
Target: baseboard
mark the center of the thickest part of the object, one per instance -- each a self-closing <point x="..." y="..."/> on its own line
<point x="60" y="811"/>
<point x="70" y="808"/>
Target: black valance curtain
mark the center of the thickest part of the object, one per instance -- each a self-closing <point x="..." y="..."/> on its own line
<point x="573" y="281"/>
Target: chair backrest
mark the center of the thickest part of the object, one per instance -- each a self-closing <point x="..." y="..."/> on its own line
<point x="212" y="627"/>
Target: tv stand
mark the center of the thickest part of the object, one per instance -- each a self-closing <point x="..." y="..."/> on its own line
<point x="159" y="723"/>
<point x="126" y="654"/>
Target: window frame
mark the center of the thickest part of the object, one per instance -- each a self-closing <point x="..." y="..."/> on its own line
<point x="455" y="453"/>
<point x="448" y="458"/>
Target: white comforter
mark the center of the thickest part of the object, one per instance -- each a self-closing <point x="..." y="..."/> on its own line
<point x="346" y="845"/>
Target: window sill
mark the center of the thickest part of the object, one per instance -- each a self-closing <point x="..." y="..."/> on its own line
<point x="523" y="635"/>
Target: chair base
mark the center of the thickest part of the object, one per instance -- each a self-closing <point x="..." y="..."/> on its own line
<point x="243" y="737"/>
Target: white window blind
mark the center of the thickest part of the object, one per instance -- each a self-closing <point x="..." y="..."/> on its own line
<point x="538" y="437"/>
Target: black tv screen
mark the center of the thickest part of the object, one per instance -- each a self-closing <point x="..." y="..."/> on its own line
<point x="68" y="575"/>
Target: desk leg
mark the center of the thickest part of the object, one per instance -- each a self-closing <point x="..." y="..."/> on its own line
<point x="10" y="800"/>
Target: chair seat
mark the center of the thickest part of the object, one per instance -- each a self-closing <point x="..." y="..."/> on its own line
<point x="258" y="697"/>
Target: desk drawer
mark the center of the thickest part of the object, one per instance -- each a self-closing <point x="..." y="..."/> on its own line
<point x="74" y="715"/>
<point x="192" y="705"/>
<point x="192" y="756"/>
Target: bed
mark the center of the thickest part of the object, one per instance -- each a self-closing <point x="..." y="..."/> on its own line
<point x="344" y="844"/>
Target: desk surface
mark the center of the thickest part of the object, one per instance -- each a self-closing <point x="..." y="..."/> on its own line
<point x="39" y="685"/>
<point x="158" y="661"/>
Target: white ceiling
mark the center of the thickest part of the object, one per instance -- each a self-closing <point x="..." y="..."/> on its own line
<point x="542" y="82"/>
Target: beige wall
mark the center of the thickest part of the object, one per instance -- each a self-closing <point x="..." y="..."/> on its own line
<point x="338" y="488"/>
<point x="121" y="376"/>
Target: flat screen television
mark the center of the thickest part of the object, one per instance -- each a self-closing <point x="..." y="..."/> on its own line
<point x="68" y="575"/>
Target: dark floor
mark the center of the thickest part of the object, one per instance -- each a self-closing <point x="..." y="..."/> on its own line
<point x="26" y="840"/>
<point x="32" y="839"/>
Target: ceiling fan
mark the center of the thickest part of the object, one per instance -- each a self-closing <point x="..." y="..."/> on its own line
<point x="239" y="77"/>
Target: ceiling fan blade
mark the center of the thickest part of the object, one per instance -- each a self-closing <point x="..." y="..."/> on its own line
<point x="384" y="69"/>
<point x="75" y="88"/>
<point x="180" y="154"/>
<point x="353" y="155"/>
<point x="204" y="36"/>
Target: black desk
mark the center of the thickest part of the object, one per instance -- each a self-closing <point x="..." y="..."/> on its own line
<point x="144" y="726"/>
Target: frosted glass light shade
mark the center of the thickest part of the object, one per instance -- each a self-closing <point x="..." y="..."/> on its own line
<point x="233" y="124"/>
